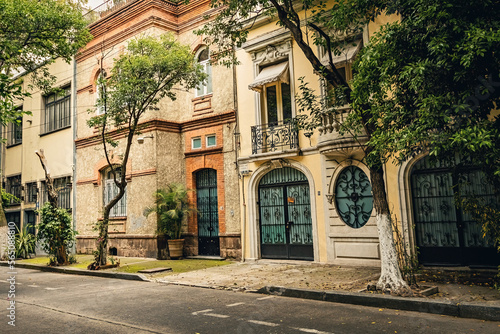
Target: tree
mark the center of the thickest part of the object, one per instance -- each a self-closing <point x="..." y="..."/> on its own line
<point x="32" y="35"/>
<point x="139" y="79"/>
<point x="412" y="82"/>
<point x="54" y="231"/>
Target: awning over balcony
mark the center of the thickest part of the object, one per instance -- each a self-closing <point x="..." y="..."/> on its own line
<point x="270" y="74"/>
<point x="347" y="55"/>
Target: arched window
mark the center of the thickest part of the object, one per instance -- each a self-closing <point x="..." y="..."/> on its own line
<point x="110" y="191"/>
<point x="203" y="58"/>
<point x="100" y="89"/>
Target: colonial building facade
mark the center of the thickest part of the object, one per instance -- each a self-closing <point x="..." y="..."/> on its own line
<point x="49" y="128"/>
<point x="263" y="189"/>
<point x="308" y="196"/>
<point x="189" y="140"/>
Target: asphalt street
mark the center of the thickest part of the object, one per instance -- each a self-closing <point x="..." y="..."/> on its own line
<point x="59" y="303"/>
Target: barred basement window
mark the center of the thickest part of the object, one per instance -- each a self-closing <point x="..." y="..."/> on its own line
<point x="353" y="196"/>
<point x="57" y="111"/>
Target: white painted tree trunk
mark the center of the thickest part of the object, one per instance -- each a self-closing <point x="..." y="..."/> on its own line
<point x="390" y="276"/>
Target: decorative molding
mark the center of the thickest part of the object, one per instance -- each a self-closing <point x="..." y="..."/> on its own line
<point x="162" y="125"/>
<point x="203" y="152"/>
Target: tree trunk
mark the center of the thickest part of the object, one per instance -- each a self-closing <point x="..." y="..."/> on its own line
<point x="102" y="245"/>
<point x="390" y="276"/>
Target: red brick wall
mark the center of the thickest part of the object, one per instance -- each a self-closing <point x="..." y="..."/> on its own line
<point x="197" y="159"/>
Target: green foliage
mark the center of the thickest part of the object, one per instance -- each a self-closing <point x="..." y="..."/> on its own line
<point x="141" y="77"/>
<point x="8" y="198"/>
<point x="25" y="242"/>
<point x="55" y="232"/>
<point x="171" y="207"/>
<point x="32" y="35"/>
<point x="484" y="214"/>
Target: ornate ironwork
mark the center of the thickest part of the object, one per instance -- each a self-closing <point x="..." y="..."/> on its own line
<point x="208" y="213"/>
<point x="354" y="197"/>
<point x="273" y="137"/>
<point x="285" y="220"/>
<point x="445" y="233"/>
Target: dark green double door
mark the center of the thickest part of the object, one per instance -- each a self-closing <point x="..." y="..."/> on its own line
<point x="285" y="215"/>
<point x="208" y="213"/>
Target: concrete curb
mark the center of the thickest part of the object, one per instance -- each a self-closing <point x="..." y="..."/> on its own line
<point x="462" y="310"/>
<point x="72" y="271"/>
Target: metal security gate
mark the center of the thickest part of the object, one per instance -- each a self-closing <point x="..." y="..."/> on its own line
<point x="445" y="234"/>
<point x="208" y="214"/>
<point x="285" y="215"/>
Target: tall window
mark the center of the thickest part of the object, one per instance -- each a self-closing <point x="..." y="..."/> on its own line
<point x="13" y="187"/>
<point x="203" y="58"/>
<point x="110" y="191"/>
<point x="277" y="102"/>
<point x="100" y="88"/>
<point x="57" y="111"/>
<point x="31" y="192"/>
<point x="15" y="132"/>
<point x="272" y="83"/>
<point x="62" y="186"/>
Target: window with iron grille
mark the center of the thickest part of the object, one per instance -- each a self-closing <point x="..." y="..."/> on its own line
<point x="110" y="191"/>
<point x="15" y="132"/>
<point x="62" y="186"/>
<point x="13" y="187"/>
<point x="31" y="192"/>
<point x="57" y="111"/>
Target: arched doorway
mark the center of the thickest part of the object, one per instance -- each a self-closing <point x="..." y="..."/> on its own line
<point x="445" y="235"/>
<point x="208" y="213"/>
<point x="285" y="215"/>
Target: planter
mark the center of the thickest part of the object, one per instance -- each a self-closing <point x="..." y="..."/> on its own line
<point x="176" y="247"/>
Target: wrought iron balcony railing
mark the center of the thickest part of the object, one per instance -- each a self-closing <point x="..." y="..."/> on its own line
<point x="274" y="137"/>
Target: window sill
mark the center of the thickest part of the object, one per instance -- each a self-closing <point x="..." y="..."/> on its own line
<point x="203" y="151"/>
<point x="14" y="145"/>
<point x="202" y="97"/>
<point x="50" y="132"/>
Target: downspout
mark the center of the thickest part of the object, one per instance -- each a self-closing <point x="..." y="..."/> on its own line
<point x="236" y="136"/>
<point x="74" y="146"/>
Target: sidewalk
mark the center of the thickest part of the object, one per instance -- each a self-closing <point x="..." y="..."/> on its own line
<point x="341" y="284"/>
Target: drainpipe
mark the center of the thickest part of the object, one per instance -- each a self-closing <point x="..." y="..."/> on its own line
<point x="73" y="88"/>
<point x="244" y="227"/>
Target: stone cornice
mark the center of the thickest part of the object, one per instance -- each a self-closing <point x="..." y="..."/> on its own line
<point x="164" y="126"/>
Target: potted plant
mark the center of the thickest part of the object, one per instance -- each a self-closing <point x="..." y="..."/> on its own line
<point x="172" y="208"/>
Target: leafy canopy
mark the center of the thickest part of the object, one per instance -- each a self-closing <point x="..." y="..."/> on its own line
<point x="32" y="35"/>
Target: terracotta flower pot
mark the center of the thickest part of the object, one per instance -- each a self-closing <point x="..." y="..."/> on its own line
<point x="176" y="247"/>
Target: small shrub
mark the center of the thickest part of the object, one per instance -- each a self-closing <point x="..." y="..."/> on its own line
<point x="72" y="259"/>
<point x="55" y="233"/>
<point x="25" y="242"/>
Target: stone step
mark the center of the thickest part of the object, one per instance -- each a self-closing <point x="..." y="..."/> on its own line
<point x="154" y="270"/>
<point x="206" y="257"/>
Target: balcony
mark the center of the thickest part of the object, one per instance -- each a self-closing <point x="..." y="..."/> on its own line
<point x="330" y="140"/>
<point x="274" y="137"/>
